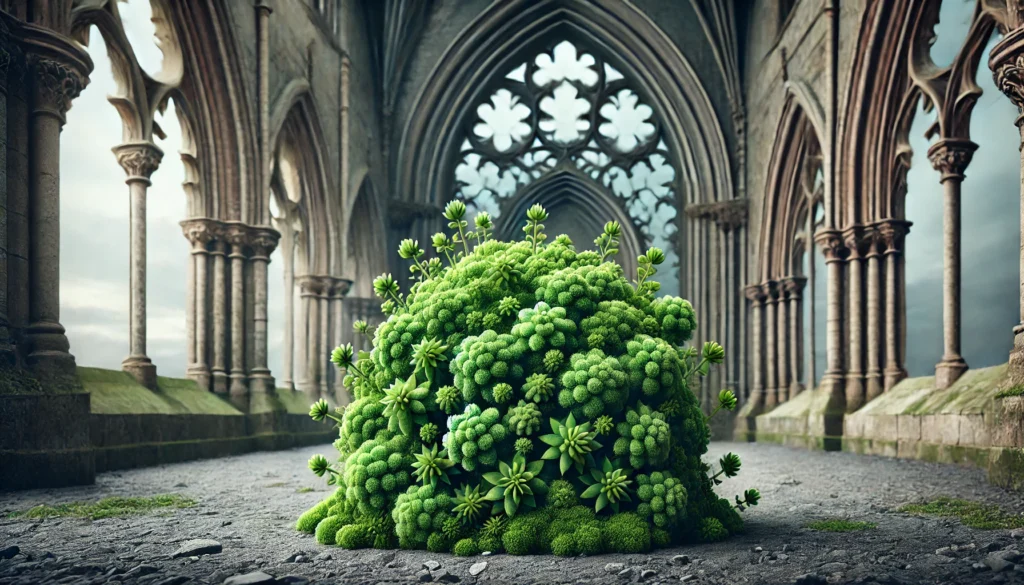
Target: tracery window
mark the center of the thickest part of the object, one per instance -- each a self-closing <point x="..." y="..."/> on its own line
<point x="565" y="107"/>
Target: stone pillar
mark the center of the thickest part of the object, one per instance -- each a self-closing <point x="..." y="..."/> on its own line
<point x="57" y="73"/>
<point x="309" y="288"/>
<point x="874" y="384"/>
<point x="854" y="239"/>
<point x="238" y="238"/>
<point x="139" y="160"/>
<point x="1007" y="64"/>
<point x="263" y="242"/>
<point x="220" y="315"/>
<point x="810" y="378"/>
<point x="782" y="342"/>
<point x="891" y="232"/>
<point x="794" y="286"/>
<point x="324" y="341"/>
<point x="833" y="381"/>
<point x="951" y="157"/>
<point x="7" y="356"/>
<point x="771" y="293"/>
<point x="199" y="233"/>
<point x="756" y="296"/>
<point x="338" y="291"/>
<point x="16" y="167"/>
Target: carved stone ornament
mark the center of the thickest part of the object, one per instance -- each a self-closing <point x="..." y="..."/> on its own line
<point x="199" y="232"/>
<point x="794" y="285"/>
<point x="57" y="84"/>
<point x="340" y="287"/>
<point x="951" y="157"/>
<point x="729" y="215"/>
<point x="754" y="293"/>
<point x="831" y="244"/>
<point x="858" y="240"/>
<point x="263" y="242"/>
<point x="237" y="236"/>
<point x="771" y="290"/>
<point x="310" y="285"/>
<point x="891" y="233"/>
<point x="139" y="160"/>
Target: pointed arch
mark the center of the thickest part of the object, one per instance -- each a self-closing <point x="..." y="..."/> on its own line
<point x="365" y="237"/>
<point x="620" y="33"/>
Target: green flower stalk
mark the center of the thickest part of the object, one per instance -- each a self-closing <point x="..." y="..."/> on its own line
<point x="750" y="498"/>
<point x="483" y="223"/>
<point x="319" y="465"/>
<point x="431" y="466"/>
<point x="362" y="328"/>
<point x="608" y="242"/>
<point x="570" y="443"/>
<point x="455" y="213"/>
<point x="647" y="268"/>
<point x="515" y="485"/>
<point x="410" y="249"/>
<point x="385" y="287"/>
<point x="713" y="352"/>
<point x="321" y="410"/>
<point x="403" y="402"/>
<point x="342" y="356"/>
<point x="729" y="466"/>
<point x="534" y="228"/>
<point x="608" y="485"/>
<point x="726" y="400"/>
<point x="444" y="245"/>
<point x="469" y="504"/>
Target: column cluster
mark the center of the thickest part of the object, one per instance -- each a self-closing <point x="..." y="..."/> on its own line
<point x="319" y="329"/>
<point x="227" y="346"/>
<point x="776" y="333"/>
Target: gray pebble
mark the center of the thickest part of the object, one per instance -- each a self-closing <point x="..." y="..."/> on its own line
<point x="614" y="567"/>
<point x="423" y="576"/>
<point x="648" y="573"/>
<point x="9" y="552"/>
<point x="431" y="565"/>
<point x="257" y="578"/>
<point x="681" y="560"/>
<point x="200" y="546"/>
<point x="478" y="568"/>
<point x="443" y="576"/>
<point x="626" y="573"/>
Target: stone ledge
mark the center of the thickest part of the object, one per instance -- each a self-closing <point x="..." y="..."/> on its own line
<point x="805" y="421"/>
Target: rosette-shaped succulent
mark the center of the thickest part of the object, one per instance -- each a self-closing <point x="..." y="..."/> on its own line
<point x="474" y="436"/>
<point x="644" y="437"/>
<point x="571" y="444"/>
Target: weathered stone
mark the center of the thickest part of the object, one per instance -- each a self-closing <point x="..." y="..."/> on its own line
<point x="431" y="565"/>
<point x="997" y="563"/>
<point x="681" y="560"/>
<point x="614" y="567"/>
<point x="423" y="575"/>
<point x="443" y="576"/>
<point x="810" y="579"/>
<point x="256" y="578"/>
<point x="687" y="578"/>
<point x="142" y="570"/>
<point x="9" y="552"/>
<point x="175" y="580"/>
<point x="292" y="580"/>
<point x="626" y="573"/>
<point x="478" y="568"/>
<point x="200" y="546"/>
<point x="648" y="573"/>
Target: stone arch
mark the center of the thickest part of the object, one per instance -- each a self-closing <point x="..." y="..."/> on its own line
<point x="365" y="238"/>
<point x="295" y="128"/>
<point x="620" y="33"/>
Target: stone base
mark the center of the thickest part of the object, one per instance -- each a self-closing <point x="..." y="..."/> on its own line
<point x="745" y="421"/>
<point x="810" y="421"/>
<point x="948" y="371"/>
<point x="220" y="383"/>
<point x="44" y="441"/>
<point x="964" y="423"/>
<point x="142" y="369"/>
<point x="261" y="382"/>
<point x="1016" y="372"/>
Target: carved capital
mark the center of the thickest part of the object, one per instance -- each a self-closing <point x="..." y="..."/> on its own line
<point x="139" y="159"/>
<point x="728" y="215"/>
<point x="831" y="244"/>
<point x="754" y="293"/>
<point x="339" y="287"/>
<point x="951" y="157"/>
<point x="199" y="232"/>
<point x="891" y="233"/>
<point x="771" y="291"/>
<point x="309" y="285"/>
<point x="237" y="236"/>
<point x="857" y="240"/>
<point x="263" y="242"/>
<point x="794" y="286"/>
<point x="56" y="84"/>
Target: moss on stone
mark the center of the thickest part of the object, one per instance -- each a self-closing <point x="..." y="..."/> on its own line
<point x="18" y="381"/>
<point x="114" y="392"/>
<point x="972" y="514"/>
<point x="107" y="507"/>
<point x="1017" y="390"/>
<point x="840" y="525"/>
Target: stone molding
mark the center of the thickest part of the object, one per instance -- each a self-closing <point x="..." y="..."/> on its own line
<point x="309" y="285"/>
<point x="139" y="159"/>
<point x="199" y="232"/>
<point x="728" y="215"/>
<point x="771" y="291"/>
<point x="891" y="233"/>
<point x="754" y="294"/>
<point x="263" y="242"/>
<point x="260" y="241"/>
<point x="56" y="83"/>
<point x="951" y="157"/>
<point x="793" y="286"/>
<point x="832" y="245"/>
<point x="858" y="240"/>
<point x="339" y="287"/>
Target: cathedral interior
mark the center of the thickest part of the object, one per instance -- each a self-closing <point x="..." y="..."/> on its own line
<point x="803" y="163"/>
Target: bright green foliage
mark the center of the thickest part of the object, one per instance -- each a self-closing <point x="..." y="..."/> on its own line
<point x="626" y="533"/>
<point x="486" y="340"/>
<point x="418" y="512"/>
<point x="524" y="419"/>
<point x="608" y="486"/>
<point x="431" y="466"/>
<point x="538" y="387"/>
<point x="663" y="499"/>
<point x="544" y="327"/>
<point x="644" y="437"/>
<point x="465" y="548"/>
<point x="473" y="437"/>
<point x="570" y="443"/>
<point x="328" y="528"/>
<point x="593" y="385"/>
<point x="712" y="530"/>
<point x="515" y="485"/>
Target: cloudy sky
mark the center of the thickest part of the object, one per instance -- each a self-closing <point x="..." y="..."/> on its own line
<point x="94" y="244"/>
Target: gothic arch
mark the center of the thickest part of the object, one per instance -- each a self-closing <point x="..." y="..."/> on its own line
<point x="499" y="38"/>
<point x="787" y="199"/>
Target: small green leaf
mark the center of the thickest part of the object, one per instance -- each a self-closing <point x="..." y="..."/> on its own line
<point x="592" y="491"/>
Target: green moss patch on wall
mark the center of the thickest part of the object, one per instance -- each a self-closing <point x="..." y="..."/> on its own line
<point x="115" y="392"/>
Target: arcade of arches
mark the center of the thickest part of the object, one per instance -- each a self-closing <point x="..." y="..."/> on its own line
<point x="765" y="146"/>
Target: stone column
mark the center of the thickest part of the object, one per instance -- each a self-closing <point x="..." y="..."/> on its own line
<point x="891" y="232"/>
<point x="309" y="288"/>
<point x="220" y="314"/>
<point x="139" y="160"/>
<point x="199" y="233"/>
<point x="57" y="74"/>
<point x="951" y="157"/>
<point x="831" y="244"/>
<point x="7" y="48"/>
<point x="1007" y="63"/>
<point x="810" y="378"/>
<point x="771" y="292"/>
<point x="782" y="342"/>
<point x="794" y="292"/>
<point x="238" y="237"/>
<point x="324" y="341"/>
<point x="855" y="314"/>
<point x="338" y="291"/>
<point x="874" y="384"/>
<point x="16" y="167"/>
<point x="263" y="242"/>
<point x="757" y="298"/>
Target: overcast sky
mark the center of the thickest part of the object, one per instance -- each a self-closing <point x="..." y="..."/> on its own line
<point x="95" y="244"/>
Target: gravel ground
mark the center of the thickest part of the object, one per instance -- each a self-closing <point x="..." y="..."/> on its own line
<point x="248" y="504"/>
